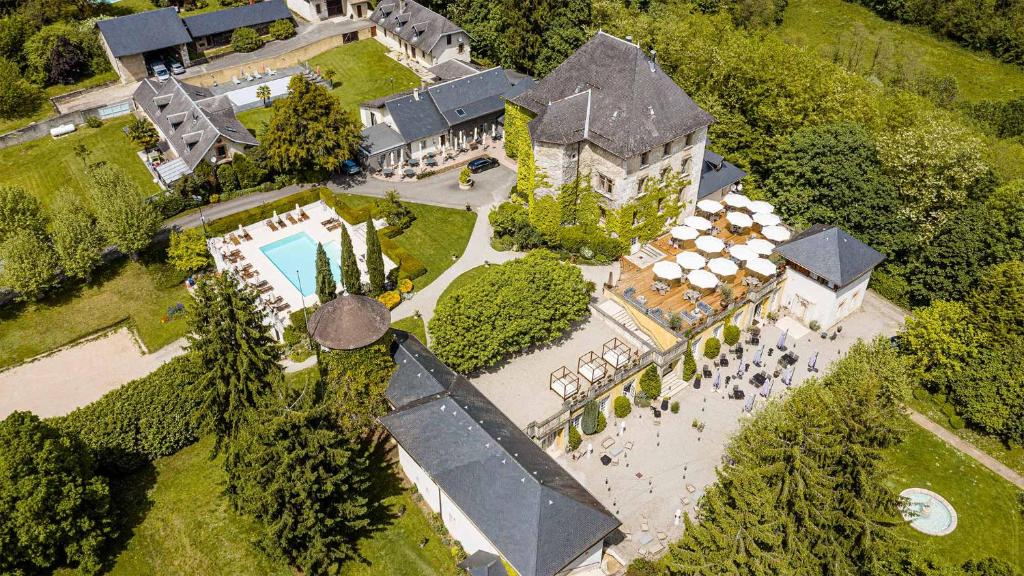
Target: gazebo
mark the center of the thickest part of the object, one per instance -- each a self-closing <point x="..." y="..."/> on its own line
<point x="564" y="382"/>
<point x="616" y="353"/>
<point x="592" y="367"/>
<point x="349" y="322"/>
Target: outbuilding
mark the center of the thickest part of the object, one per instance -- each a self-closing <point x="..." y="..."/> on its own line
<point x="214" y="29"/>
<point x="136" y="41"/>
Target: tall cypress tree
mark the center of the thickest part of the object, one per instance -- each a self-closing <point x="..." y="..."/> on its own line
<point x="238" y="356"/>
<point x="326" y="287"/>
<point x="349" y="267"/>
<point x="374" y="259"/>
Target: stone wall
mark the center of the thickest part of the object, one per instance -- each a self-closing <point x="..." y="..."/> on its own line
<point x="42" y="128"/>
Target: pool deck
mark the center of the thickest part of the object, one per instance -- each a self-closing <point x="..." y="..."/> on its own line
<point x="262" y="268"/>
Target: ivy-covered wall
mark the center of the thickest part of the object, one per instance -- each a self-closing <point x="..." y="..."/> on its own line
<point x="519" y="147"/>
<point x="645" y="216"/>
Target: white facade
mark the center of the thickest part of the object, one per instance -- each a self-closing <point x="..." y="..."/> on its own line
<point x="808" y="300"/>
<point x="454" y="46"/>
<point x="316" y="10"/>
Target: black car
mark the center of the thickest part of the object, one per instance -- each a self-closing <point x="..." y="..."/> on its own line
<point x="482" y="163"/>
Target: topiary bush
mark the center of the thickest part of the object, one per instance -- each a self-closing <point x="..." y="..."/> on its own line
<point x="712" y="347"/>
<point x="590" y="417"/>
<point x="956" y="422"/>
<point x="575" y="439"/>
<point x="689" y="364"/>
<point x="282" y="29"/>
<point x="602" y="423"/>
<point x="390" y="299"/>
<point x="920" y="394"/>
<point x="731" y="334"/>
<point x="674" y="407"/>
<point x="650" y="382"/>
<point x="948" y="410"/>
<point x="621" y="406"/>
<point x="245" y="40"/>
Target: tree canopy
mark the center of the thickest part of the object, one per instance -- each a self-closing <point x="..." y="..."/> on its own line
<point x="122" y="210"/>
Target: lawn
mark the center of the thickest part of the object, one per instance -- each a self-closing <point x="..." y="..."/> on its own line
<point x="189" y="528"/>
<point x="362" y="72"/>
<point x="437" y="237"/>
<point x="44" y="166"/>
<point x="413" y="325"/>
<point x="46" y="110"/>
<point x="121" y="7"/>
<point x="125" y="291"/>
<point x="820" y="24"/>
<point x="463" y="279"/>
<point x="990" y="522"/>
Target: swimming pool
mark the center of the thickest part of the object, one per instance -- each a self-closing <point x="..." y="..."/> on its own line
<point x="295" y="257"/>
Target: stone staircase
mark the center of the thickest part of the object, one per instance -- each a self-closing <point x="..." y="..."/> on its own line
<point x="620" y="315"/>
<point x="645" y="256"/>
<point x="672" y="383"/>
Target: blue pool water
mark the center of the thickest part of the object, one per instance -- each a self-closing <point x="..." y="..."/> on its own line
<point x="295" y="257"/>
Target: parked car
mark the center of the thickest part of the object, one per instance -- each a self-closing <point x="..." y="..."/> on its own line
<point x="350" y="167"/>
<point x="482" y="163"/>
<point x="160" y="71"/>
<point x="177" y="68"/>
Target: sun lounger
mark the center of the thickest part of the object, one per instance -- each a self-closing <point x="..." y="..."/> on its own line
<point x="690" y="488"/>
<point x="234" y="239"/>
<point x="607" y="442"/>
<point x="236" y="80"/>
<point x="334" y="226"/>
<point x="291" y="219"/>
<point x="303" y="216"/>
<point x="644" y="526"/>
<point x="270" y="223"/>
<point x="282" y="307"/>
<point x="271" y="71"/>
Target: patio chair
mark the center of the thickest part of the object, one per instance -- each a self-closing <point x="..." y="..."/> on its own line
<point x="291" y="219"/>
<point x="236" y="80"/>
<point x="270" y="224"/>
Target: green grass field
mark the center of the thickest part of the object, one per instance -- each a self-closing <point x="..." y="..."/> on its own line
<point x="435" y="237"/>
<point x="362" y="72"/>
<point x="125" y="291"/>
<point x="413" y="325"/>
<point x="990" y="522"/>
<point x="821" y="24"/>
<point x="187" y="527"/>
<point x="46" y="110"/>
<point x="44" y="166"/>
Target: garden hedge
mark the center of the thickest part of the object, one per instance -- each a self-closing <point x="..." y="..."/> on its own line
<point x="731" y="334"/>
<point x="263" y="211"/>
<point x="154" y="416"/>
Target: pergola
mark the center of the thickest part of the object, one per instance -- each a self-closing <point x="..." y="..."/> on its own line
<point x="591" y="367"/>
<point x="616" y="353"/>
<point x="564" y="382"/>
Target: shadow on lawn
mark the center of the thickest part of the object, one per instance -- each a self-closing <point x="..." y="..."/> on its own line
<point x="130" y="503"/>
<point x="385" y="484"/>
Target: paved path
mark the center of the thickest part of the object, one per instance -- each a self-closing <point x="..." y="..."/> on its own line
<point x="967" y="448"/>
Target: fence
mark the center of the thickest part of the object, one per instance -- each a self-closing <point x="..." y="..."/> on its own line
<point x="42" y="128"/>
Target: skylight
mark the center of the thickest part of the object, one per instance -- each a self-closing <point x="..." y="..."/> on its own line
<point x="460" y="112"/>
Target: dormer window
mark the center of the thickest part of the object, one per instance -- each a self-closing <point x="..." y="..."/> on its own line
<point x="645" y="158"/>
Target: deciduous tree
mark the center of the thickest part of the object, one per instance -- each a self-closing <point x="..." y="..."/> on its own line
<point x="188" y="251"/>
<point x="124" y="214"/>
<point x="76" y="237"/>
<point x="29" y="265"/>
<point x="19" y="211"/>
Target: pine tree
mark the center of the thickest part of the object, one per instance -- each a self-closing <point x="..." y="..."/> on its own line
<point x="325" y="285"/>
<point x="350" y="275"/>
<point x="689" y="364"/>
<point x="238" y="356"/>
<point x="374" y="259"/>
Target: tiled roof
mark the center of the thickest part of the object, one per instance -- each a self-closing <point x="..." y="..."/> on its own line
<point x="452" y="69"/>
<point x="240" y="16"/>
<point x="417" y="24"/>
<point x="830" y="252"/>
<point x="633" y="107"/>
<point x="717" y="173"/>
<point x="537" y="515"/>
<point x="143" y="32"/>
<point x="380" y="138"/>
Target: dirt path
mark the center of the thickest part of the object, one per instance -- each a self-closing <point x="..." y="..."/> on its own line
<point x="969" y="449"/>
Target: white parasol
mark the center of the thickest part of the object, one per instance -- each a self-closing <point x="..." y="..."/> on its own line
<point x="690" y="260"/>
<point x="709" y="206"/>
<point x="702" y="279"/>
<point x="736" y="200"/>
<point x="760" y="245"/>
<point x="776" y="233"/>
<point x="761" y="266"/>
<point x="760" y="207"/>
<point x="697" y="222"/>
<point x="684" y="233"/>
<point x="710" y="244"/>
<point x="739" y="219"/>
<point x="742" y="252"/>
<point x="767" y="219"/>
<point x="667" y="270"/>
<point x="723" y="266"/>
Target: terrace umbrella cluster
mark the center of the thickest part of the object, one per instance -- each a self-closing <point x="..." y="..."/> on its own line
<point x="702" y="279"/>
<point x="684" y="233"/>
<point x="698" y="223"/>
<point x="667" y="270"/>
<point x="690" y="260"/>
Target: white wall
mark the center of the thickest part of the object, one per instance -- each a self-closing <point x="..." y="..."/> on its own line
<point x="462" y="529"/>
<point x="444" y="51"/>
<point x="588" y="560"/>
<point x="307" y="9"/>
<point x="823" y="304"/>
<point x="428" y="489"/>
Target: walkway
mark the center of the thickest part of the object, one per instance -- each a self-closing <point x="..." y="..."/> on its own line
<point x="967" y="448"/>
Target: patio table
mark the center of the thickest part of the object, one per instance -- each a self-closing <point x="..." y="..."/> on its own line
<point x="645" y="539"/>
<point x="615" y="451"/>
<point x="388" y="171"/>
<point x="409" y="172"/>
<point x="414" y="162"/>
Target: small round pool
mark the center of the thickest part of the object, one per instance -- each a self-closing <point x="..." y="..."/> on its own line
<point x="928" y="512"/>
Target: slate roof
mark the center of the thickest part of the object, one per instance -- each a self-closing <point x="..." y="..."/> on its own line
<point x="633" y="106"/>
<point x="415" y="116"/>
<point x="417" y="25"/>
<point x="537" y="515"/>
<point x="380" y="138"/>
<point x="482" y="563"/>
<point x="190" y="117"/>
<point x="143" y="32"/>
<point x="717" y="173"/>
<point x="452" y="69"/>
<point x="231" y="18"/>
<point x="831" y="253"/>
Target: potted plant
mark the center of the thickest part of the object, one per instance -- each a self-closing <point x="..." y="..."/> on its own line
<point x="465" y="182"/>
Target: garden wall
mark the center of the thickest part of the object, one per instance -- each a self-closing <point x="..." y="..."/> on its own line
<point x="41" y="129"/>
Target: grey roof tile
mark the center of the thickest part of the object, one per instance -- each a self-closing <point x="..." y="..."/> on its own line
<point x="228" y="19"/>
<point x="452" y="69"/>
<point x="416" y="117"/>
<point x="717" y="173"/>
<point x="830" y="252"/>
<point x="634" y="105"/>
<point x="417" y="24"/>
<point x="143" y="32"/>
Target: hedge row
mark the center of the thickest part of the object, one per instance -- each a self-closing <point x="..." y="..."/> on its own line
<point x="263" y="211"/>
<point x="154" y="416"/>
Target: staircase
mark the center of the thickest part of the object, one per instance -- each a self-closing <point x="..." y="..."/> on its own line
<point x="672" y="383"/>
<point x="616" y="312"/>
<point x="645" y="256"/>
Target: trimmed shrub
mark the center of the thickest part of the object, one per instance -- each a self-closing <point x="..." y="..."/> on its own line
<point x="940" y="399"/>
<point x="689" y="364"/>
<point x="602" y="423"/>
<point x="731" y="334"/>
<point x="674" y="406"/>
<point x="622" y="406"/>
<point x="465" y="176"/>
<point x="590" y="417"/>
<point x="245" y="40"/>
<point x="282" y="29"/>
<point x="405" y="286"/>
<point x="814" y="325"/>
<point x="650" y="382"/>
<point x="154" y="416"/>
<point x="948" y="410"/>
<point x="712" y="347"/>
<point x="920" y="394"/>
<point x="956" y="422"/>
<point x="575" y="439"/>
<point x="390" y="299"/>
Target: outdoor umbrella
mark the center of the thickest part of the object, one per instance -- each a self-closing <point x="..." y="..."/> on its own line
<point x="742" y="252"/>
<point x="787" y="376"/>
<point x="760" y="206"/>
<point x="739" y="219"/>
<point x="684" y="233"/>
<point x="697" y="222"/>
<point x="667" y="270"/>
<point x="718" y="379"/>
<point x="757" y="355"/>
<point x="710" y="244"/>
<point x="781" y="344"/>
<point x="767" y="219"/>
<point x="776" y="233"/>
<point x="766" y="389"/>
<point x="813" y="362"/>
<point x="760" y="266"/>
<point x="760" y="245"/>
<point x="690" y="260"/>
<point x="736" y="200"/>
<point x="702" y="279"/>
<point x="709" y="206"/>
<point x="723" y="266"/>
